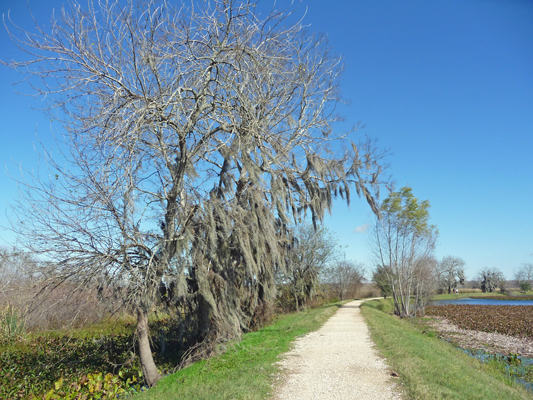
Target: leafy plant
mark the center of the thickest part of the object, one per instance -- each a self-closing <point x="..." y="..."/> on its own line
<point x="31" y="365"/>
<point x="89" y="387"/>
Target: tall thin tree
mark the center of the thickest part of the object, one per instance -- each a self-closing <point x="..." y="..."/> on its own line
<point x="403" y="241"/>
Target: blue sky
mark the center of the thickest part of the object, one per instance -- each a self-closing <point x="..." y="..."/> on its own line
<point x="447" y="86"/>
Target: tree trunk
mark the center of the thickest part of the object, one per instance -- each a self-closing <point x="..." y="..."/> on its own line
<point x="150" y="372"/>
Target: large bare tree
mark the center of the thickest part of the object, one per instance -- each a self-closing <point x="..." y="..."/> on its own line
<point x="490" y="278"/>
<point x="189" y="138"/>
<point x="450" y="273"/>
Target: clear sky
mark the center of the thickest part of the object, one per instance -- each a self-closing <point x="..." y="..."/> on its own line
<point x="447" y="86"/>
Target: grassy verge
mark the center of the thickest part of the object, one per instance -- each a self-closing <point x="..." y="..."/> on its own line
<point x="430" y="368"/>
<point x="246" y="370"/>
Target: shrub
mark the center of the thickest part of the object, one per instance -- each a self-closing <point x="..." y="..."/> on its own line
<point x="525" y="287"/>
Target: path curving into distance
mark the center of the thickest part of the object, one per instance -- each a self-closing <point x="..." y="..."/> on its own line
<point x="337" y="362"/>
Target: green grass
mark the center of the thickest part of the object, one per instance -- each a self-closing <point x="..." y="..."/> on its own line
<point x="247" y="370"/>
<point x="430" y="368"/>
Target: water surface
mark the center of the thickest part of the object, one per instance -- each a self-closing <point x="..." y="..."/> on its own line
<point x="482" y="302"/>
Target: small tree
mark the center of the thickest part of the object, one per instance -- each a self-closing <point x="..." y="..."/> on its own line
<point x="525" y="287"/>
<point x="307" y="257"/>
<point x="380" y="277"/>
<point x="450" y="272"/>
<point x="524" y="273"/>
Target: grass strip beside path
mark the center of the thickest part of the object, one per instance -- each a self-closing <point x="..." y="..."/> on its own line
<point x="246" y="370"/>
<point x="430" y="368"/>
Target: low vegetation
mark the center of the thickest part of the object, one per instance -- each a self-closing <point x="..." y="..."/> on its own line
<point x="430" y="368"/>
<point x="507" y="320"/>
<point x="101" y="360"/>
<point x="59" y="363"/>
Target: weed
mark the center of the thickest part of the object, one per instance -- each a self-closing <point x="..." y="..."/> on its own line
<point x="12" y="323"/>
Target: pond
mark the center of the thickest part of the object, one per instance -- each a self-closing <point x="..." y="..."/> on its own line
<point x="482" y="302"/>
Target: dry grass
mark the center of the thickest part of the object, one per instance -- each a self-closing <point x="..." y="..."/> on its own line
<point x="45" y="310"/>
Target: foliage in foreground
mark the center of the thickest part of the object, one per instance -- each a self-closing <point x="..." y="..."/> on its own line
<point x="430" y="368"/>
<point x="12" y="322"/>
<point x="92" y="387"/>
<point x="29" y="367"/>
<point x="507" y="320"/>
<point x="101" y="358"/>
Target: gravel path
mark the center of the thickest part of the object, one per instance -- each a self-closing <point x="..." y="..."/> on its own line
<point x="337" y="362"/>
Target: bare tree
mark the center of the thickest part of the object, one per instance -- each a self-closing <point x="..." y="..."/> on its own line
<point x="520" y="276"/>
<point x="425" y="282"/>
<point x="450" y="273"/>
<point x="345" y="276"/>
<point x="403" y="240"/>
<point x="189" y="139"/>
<point x="17" y="274"/>
<point x="524" y="273"/>
<point x="308" y="256"/>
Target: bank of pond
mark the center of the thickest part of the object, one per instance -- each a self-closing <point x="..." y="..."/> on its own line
<point x="516" y="367"/>
<point x="507" y="316"/>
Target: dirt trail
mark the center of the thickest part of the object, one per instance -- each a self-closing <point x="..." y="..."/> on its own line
<point x="337" y="362"/>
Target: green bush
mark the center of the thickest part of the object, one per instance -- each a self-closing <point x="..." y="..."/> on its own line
<point x="525" y="287"/>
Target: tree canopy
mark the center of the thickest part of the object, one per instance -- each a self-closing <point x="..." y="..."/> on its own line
<point x="189" y="139"/>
